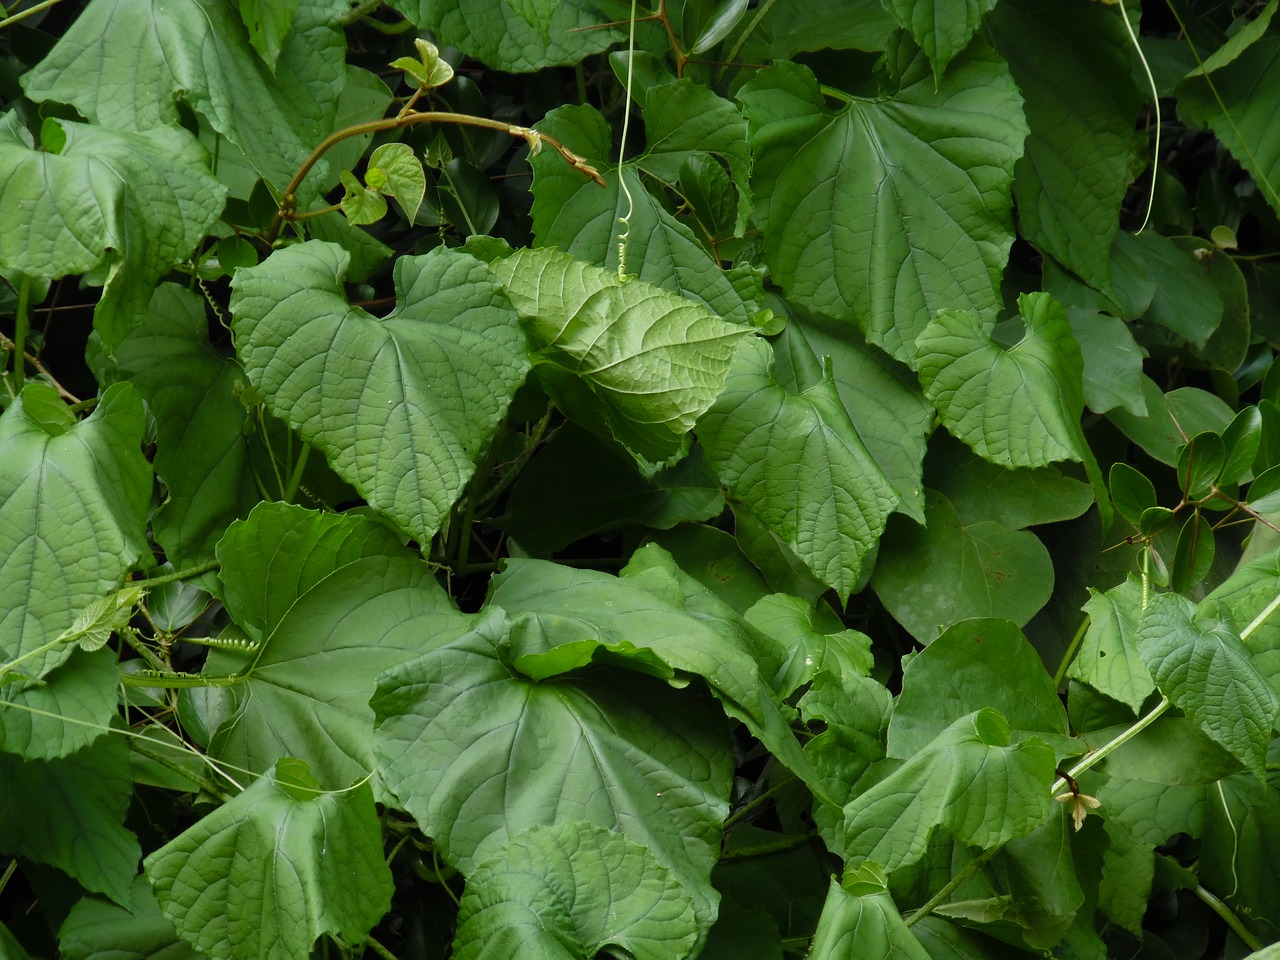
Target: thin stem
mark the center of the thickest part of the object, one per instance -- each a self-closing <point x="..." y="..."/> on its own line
<point x="1229" y="916"/>
<point x="1070" y="653"/>
<point x="289" y="200"/>
<point x="1106" y="749"/>
<point x="8" y="873"/>
<point x="969" y="869"/>
<point x="1155" y="100"/>
<point x="379" y="949"/>
<point x="1260" y="619"/>
<point x="761" y="12"/>
<point x="21" y="323"/>
<point x="9" y="21"/>
<point x="295" y="478"/>
<point x="186" y="574"/>
<point x="625" y="219"/>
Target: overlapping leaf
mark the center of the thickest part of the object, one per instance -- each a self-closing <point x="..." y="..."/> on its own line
<point x="570" y="890"/>
<point x="97" y="930"/>
<point x="576" y="215"/>
<point x="73" y="502"/>
<point x="1210" y="677"/>
<point x="969" y="780"/>
<point x="860" y="919"/>
<point x="123" y="63"/>
<point x="797" y="464"/>
<point x="402" y="407"/>
<point x="130" y="204"/>
<point x="942" y="28"/>
<point x="69" y="813"/>
<point x="517" y="36"/>
<point x="652" y="361"/>
<point x="1108" y="658"/>
<point x="889" y="209"/>
<point x="479" y="755"/>
<point x="1019" y="407"/>
<point x="267" y="873"/>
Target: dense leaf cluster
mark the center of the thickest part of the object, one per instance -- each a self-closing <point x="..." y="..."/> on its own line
<point x="563" y="478"/>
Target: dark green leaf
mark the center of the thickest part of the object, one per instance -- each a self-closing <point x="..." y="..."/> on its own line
<point x="942" y="28"/>
<point x="796" y="463"/>
<point x="1200" y="461"/>
<point x="1194" y="554"/>
<point x="1112" y="362"/>
<point x="1240" y="443"/>
<point x="98" y="930"/>
<point x="1173" y="418"/>
<point x="1131" y="492"/>
<point x="855" y="235"/>
<point x="272" y="870"/>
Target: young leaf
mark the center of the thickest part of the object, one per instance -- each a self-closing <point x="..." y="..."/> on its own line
<point x="798" y="465"/>
<point x="402" y="407"/>
<point x="573" y="889"/>
<point x="360" y="203"/>
<point x="400" y="174"/>
<point x="1019" y="407"/>
<point x="268" y="23"/>
<point x="652" y="360"/>
<point x="73" y="504"/>
<point x="942" y="29"/>
<point x="1210" y="677"/>
<point x="273" y="869"/>
<point x="853" y="235"/>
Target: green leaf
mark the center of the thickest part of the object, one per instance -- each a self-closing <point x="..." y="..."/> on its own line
<point x="1019" y="407"/>
<point x="685" y="123"/>
<point x="573" y="889"/>
<point x="853" y="712"/>
<point x="814" y="639"/>
<point x="796" y="26"/>
<point x="129" y="204"/>
<point x="1108" y="658"/>
<point x="1128" y="868"/>
<point x="652" y="361"/>
<point x="458" y="735"/>
<point x="1245" y="600"/>
<point x="402" y="172"/>
<point x="854" y="235"/>
<point x="202" y="453"/>
<point x="1112" y="362"/>
<point x="975" y="664"/>
<point x="360" y="204"/>
<point x="428" y="71"/>
<point x="305" y="692"/>
<point x="123" y="64"/>
<point x="268" y="23"/>
<point x="97" y="930"/>
<point x="516" y="36"/>
<point x="269" y="872"/>
<point x="402" y="407"/>
<point x="1200" y="461"/>
<point x="69" y="813"/>
<point x="1209" y="676"/>
<point x="576" y="485"/>
<point x="1240" y="443"/>
<point x="1040" y="873"/>
<point x="1173" y="418"/>
<point x="1193" y="555"/>
<point x="1242" y="826"/>
<point x="942" y="28"/>
<point x="968" y="780"/>
<point x="73" y="503"/>
<point x="281" y="551"/>
<point x="881" y="396"/>
<point x="1236" y="100"/>
<point x="796" y="463"/>
<point x="860" y="919"/>
<point x="1072" y="178"/>
<point x="708" y="22"/>
<point x="954" y="569"/>
<point x="66" y="709"/>
<point x="1131" y="492"/>
<point x="1185" y="300"/>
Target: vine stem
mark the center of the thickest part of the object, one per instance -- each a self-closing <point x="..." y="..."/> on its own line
<point x="289" y="200"/>
<point x="1155" y="100"/>
<point x="9" y="21"/>
<point x="625" y="220"/>
<point x="1111" y="746"/>
<point x="1229" y="917"/>
<point x="186" y="574"/>
<point x="968" y="870"/>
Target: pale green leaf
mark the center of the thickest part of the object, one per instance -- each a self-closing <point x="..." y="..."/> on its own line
<point x="1108" y="657"/>
<point x="123" y="63"/>
<point x="975" y="664"/>
<point x="1081" y="110"/>
<point x="942" y="28"/>
<point x="1018" y="407"/>
<point x="856" y="235"/>
<point x="814" y="639"/>
<point x="403" y="174"/>
<point x="797" y="464"/>
<point x="73" y="504"/>
<point x="969" y="780"/>
<point x="267" y="873"/>
<point x="268" y="23"/>
<point x="517" y="36"/>
<point x="1208" y="674"/>
<point x="1128" y="868"/>
<point x="305" y="692"/>
<point x="403" y="407"/>
<point x="129" y="204"/>
<point x="202" y="453"/>
<point x="573" y="889"/>
<point x="98" y="930"/>
<point x="653" y="361"/>
<point x="478" y="755"/>
<point x="361" y="204"/>
<point x="66" y="709"/>
<point x="69" y="813"/>
<point x="860" y="919"/>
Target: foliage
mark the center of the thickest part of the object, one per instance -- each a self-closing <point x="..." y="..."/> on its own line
<point x="558" y="479"/>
